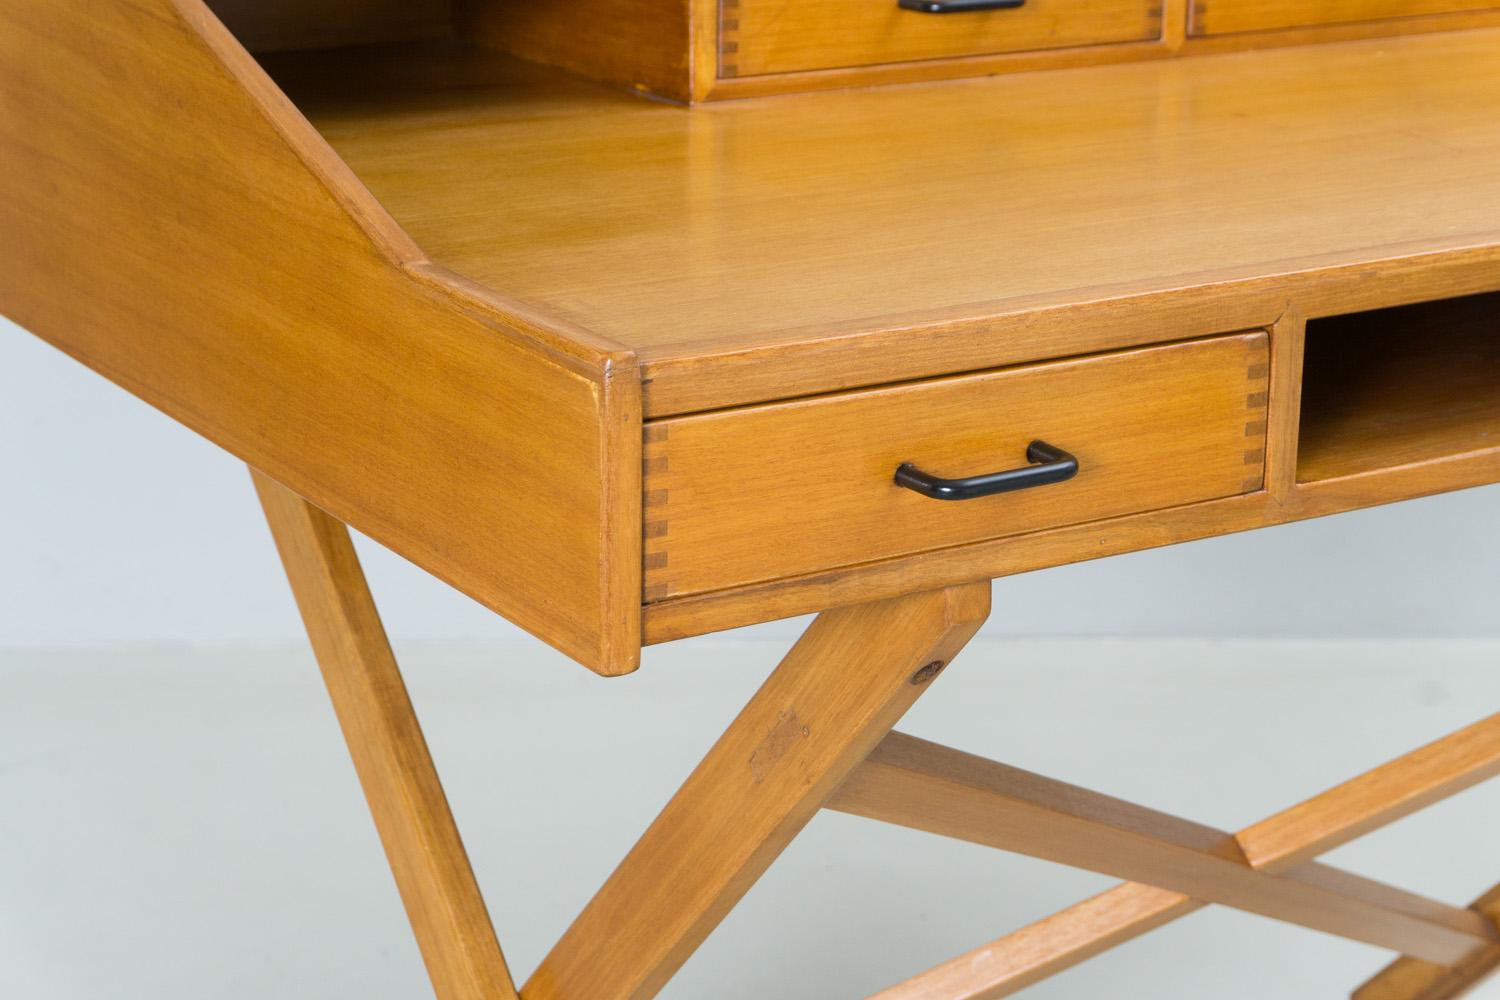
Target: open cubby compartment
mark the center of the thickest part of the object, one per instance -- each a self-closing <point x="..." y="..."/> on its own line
<point x="1399" y="386"/>
<point x="641" y="45"/>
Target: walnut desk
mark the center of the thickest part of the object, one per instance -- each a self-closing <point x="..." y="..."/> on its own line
<point x="628" y="367"/>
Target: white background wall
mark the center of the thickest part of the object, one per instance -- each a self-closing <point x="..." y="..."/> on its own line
<point x="117" y="524"/>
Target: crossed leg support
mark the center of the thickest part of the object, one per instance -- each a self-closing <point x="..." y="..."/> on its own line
<point x="1344" y="813"/>
<point x="818" y="734"/>
<point x="411" y="813"/>
<point x="1413" y="979"/>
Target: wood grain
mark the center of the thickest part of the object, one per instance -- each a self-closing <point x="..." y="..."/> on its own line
<point x="1413" y="979"/>
<point x="840" y="689"/>
<point x="1381" y="796"/>
<point x="773" y="36"/>
<point x="1363" y="804"/>
<point x="173" y="223"/>
<point x="390" y="755"/>
<point x="1151" y="428"/>
<point x="1400" y="386"/>
<point x="1174" y="42"/>
<point x="928" y="787"/>
<point x="750" y="251"/>
<point x="1041" y="950"/>
<point x="728" y="88"/>
<point x="701" y="613"/>
<point x="1338" y="31"/>
<point x="1216" y="17"/>
<point x="1284" y="409"/>
<point x="639" y="44"/>
<point x="278" y="25"/>
<point x="1051" y="945"/>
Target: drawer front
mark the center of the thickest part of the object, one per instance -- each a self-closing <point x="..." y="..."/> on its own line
<point x="784" y="36"/>
<point x="1226" y="17"/>
<point x="767" y="492"/>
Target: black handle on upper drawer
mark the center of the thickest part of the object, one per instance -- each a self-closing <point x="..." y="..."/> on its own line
<point x="957" y="6"/>
<point x="1049" y="465"/>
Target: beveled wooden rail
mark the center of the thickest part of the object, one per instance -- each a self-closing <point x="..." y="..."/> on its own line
<point x="1414" y="979"/>
<point x="929" y="787"/>
<point x="1359" y="806"/>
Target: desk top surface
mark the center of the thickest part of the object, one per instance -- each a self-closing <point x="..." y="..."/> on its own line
<point x="745" y="224"/>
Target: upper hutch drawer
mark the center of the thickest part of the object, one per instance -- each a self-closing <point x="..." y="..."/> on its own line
<point x="785" y="36"/>
<point x="1225" y="17"/>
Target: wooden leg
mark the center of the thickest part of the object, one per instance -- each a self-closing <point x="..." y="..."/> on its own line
<point x="1413" y="979"/>
<point x="930" y="787"/>
<point x="818" y="734"/>
<point x="838" y="692"/>
<point x="1365" y="803"/>
<point x="1053" y="944"/>
<point x="421" y="842"/>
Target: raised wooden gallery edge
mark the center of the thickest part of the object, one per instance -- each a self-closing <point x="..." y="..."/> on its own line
<point x="765" y="249"/>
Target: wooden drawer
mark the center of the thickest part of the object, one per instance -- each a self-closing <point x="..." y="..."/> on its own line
<point x="766" y="492"/>
<point x="1226" y="17"/>
<point x="784" y="36"/>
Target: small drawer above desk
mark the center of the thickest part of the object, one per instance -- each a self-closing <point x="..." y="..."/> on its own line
<point x="1225" y="17"/>
<point x="768" y="492"/>
<point x="785" y="36"/>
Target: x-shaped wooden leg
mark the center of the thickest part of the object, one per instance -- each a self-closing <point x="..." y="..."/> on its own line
<point x="835" y="695"/>
<point x="833" y="698"/>
<point x="818" y="734"/>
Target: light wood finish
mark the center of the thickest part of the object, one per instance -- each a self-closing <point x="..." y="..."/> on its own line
<point x="704" y="25"/>
<point x="1217" y="17"/>
<point x="1338" y="31"/>
<point x="751" y="251"/>
<point x="773" y="36"/>
<point x="1357" y="807"/>
<point x="471" y="526"/>
<point x="1383" y="795"/>
<point x="837" y="282"/>
<point x="172" y="222"/>
<point x="270" y="25"/>
<point x="701" y="613"/>
<point x="840" y="689"/>
<point x="1284" y="412"/>
<point x="929" y="787"/>
<point x="725" y="88"/>
<point x="640" y="44"/>
<point x="1174" y="42"/>
<point x="406" y="799"/>
<point x="694" y="50"/>
<point x="1047" y="947"/>
<point x="1413" y="979"/>
<point x="1151" y="428"/>
<point x="1400" y="387"/>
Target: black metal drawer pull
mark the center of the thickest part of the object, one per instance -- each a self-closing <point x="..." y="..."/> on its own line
<point x="957" y="6"/>
<point x="1048" y="465"/>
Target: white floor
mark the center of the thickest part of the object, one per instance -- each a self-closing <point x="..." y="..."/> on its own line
<point x="183" y="822"/>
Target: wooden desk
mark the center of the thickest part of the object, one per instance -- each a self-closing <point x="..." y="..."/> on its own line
<point x="627" y="371"/>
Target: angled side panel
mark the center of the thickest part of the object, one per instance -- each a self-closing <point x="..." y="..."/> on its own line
<point x="171" y="221"/>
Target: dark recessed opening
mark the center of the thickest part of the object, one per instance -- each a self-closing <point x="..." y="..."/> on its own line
<point x="1396" y="386"/>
